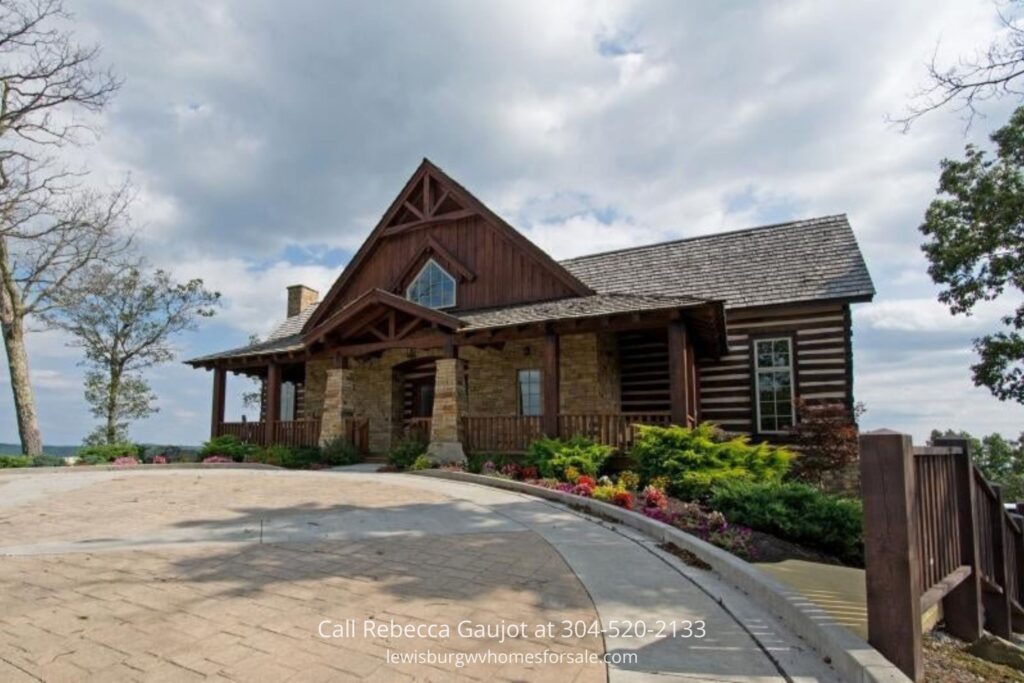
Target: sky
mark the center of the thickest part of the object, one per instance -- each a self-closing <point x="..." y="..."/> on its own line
<point x="264" y="141"/>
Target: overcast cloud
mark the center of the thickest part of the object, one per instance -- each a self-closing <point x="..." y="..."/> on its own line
<point x="266" y="139"/>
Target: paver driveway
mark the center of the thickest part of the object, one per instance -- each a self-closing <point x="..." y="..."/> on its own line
<point x="237" y="574"/>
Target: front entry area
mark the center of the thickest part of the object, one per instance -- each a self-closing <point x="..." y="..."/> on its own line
<point x="416" y="378"/>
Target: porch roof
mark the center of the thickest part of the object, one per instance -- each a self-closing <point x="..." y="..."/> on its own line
<point x="287" y="340"/>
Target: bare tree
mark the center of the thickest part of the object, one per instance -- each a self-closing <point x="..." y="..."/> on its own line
<point x="991" y="73"/>
<point x="50" y="227"/>
<point x="125" y="317"/>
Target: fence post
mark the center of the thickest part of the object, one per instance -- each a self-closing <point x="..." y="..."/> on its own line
<point x="888" y="486"/>
<point x="962" y="606"/>
<point x="998" y="614"/>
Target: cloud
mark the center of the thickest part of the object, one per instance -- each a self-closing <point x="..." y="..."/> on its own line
<point x="930" y="315"/>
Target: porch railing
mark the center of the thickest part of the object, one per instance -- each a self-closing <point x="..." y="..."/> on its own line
<point x="514" y="433"/>
<point x="286" y="433"/>
<point x="418" y="428"/>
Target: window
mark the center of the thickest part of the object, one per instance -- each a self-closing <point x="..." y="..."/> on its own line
<point x="287" y="402"/>
<point x="773" y="384"/>
<point x="432" y="287"/>
<point x="529" y="393"/>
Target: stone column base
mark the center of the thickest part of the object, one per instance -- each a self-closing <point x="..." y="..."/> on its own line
<point x="445" y="452"/>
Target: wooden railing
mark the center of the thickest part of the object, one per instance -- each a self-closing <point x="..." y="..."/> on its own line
<point x="500" y="433"/>
<point x="297" y="433"/>
<point x="615" y="430"/>
<point x="286" y="433"/>
<point x="357" y="431"/>
<point x="247" y="432"/>
<point x="514" y="433"/>
<point x="935" y="530"/>
<point x="418" y="428"/>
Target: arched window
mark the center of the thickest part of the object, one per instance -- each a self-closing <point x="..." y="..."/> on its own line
<point x="432" y="287"/>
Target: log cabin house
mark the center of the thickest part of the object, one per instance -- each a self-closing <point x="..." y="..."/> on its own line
<point x="449" y="325"/>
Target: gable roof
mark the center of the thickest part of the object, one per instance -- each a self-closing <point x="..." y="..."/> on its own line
<point x="790" y="262"/>
<point x="449" y="188"/>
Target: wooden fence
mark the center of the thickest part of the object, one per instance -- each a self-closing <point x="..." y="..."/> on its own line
<point x="936" y="533"/>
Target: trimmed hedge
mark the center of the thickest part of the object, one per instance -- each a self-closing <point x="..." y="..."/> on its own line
<point x="695" y="460"/>
<point x="10" y="461"/>
<point x="796" y="512"/>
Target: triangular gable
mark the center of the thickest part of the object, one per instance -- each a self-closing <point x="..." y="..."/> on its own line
<point x="429" y="199"/>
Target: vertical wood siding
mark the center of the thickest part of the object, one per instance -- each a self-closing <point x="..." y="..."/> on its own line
<point x="821" y="356"/>
<point x="505" y="273"/>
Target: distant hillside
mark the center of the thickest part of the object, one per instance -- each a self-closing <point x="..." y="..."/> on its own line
<point x="62" y="451"/>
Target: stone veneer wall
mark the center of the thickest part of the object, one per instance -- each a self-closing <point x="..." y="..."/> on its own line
<point x="589" y="381"/>
<point x="316" y="383"/>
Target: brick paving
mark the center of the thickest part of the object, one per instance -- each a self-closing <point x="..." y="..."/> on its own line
<point x="250" y="611"/>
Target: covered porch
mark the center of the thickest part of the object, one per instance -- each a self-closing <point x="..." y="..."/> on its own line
<point x="385" y="369"/>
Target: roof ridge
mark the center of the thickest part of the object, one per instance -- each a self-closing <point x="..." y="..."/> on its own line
<point x="725" y="233"/>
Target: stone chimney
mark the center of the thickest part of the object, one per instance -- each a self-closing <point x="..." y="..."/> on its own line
<point x="300" y="297"/>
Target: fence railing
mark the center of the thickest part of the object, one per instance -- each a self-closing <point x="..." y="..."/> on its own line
<point x="935" y="530"/>
<point x="247" y="432"/>
<point x="501" y="433"/>
<point x="418" y="428"/>
<point x="615" y="430"/>
<point x="286" y="433"/>
<point x="514" y="433"/>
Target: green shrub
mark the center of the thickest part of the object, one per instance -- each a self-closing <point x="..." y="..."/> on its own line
<point x="421" y="463"/>
<point x="694" y="460"/>
<point x="404" y="453"/>
<point x="795" y="512"/>
<point x="47" y="461"/>
<point x="7" y="461"/>
<point x="286" y="456"/>
<point x="475" y="461"/>
<point x="104" y="453"/>
<point x="552" y="456"/>
<point x="340" y="451"/>
<point x="229" y="446"/>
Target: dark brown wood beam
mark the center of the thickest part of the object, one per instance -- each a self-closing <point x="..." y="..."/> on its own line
<point x="678" y="371"/>
<point x="427" y="222"/>
<point x="549" y="421"/>
<point x="220" y="377"/>
<point x="430" y="341"/>
<point x="273" y="399"/>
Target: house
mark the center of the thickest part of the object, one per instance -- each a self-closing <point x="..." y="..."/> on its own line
<point x="451" y="325"/>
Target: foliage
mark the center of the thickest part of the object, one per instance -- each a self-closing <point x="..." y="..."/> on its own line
<point x="710" y="526"/>
<point x="47" y="461"/>
<point x="340" y="451"/>
<point x="124" y="317"/>
<point x="159" y="459"/>
<point x="421" y="463"/>
<point x="475" y="461"/>
<point x="975" y="247"/>
<point x="104" y="453"/>
<point x="604" y="493"/>
<point x="624" y="499"/>
<point x="216" y="459"/>
<point x="999" y="459"/>
<point x="229" y="446"/>
<point x="404" y="453"/>
<point x="629" y="480"/>
<point x="795" y="512"/>
<point x="125" y="461"/>
<point x="694" y="460"/>
<point x="826" y="441"/>
<point x="293" y="458"/>
<point x="9" y="461"/>
<point x="552" y="457"/>
<point x="652" y="497"/>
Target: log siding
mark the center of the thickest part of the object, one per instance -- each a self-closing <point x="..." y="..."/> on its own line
<point x="820" y="334"/>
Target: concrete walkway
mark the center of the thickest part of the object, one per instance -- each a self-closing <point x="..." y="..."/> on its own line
<point x="482" y="534"/>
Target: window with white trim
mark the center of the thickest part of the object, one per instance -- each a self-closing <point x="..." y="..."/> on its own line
<point x="773" y="384"/>
<point x="530" y="402"/>
<point x="432" y="287"/>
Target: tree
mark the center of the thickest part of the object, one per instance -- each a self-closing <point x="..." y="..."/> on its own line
<point x="987" y="74"/>
<point x="50" y="228"/>
<point x="975" y="247"/>
<point x="826" y="438"/>
<point x="125" y="317"/>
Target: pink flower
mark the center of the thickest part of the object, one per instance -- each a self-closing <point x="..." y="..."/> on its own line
<point x="125" y="461"/>
<point x="159" y="459"/>
<point x="216" y="459"/>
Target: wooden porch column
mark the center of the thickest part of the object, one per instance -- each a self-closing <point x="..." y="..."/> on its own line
<point x="549" y="421"/>
<point x="273" y="399"/>
<point x="889" y="488"/>
<point x="678" y="372"/>
<point x="220" y="376"/>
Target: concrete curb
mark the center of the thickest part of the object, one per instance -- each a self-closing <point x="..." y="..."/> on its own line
<point x="854" y="659"/>
<point x="69" y="469"/>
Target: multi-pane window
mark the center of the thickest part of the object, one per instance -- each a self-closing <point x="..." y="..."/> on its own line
<point x="773" y="377"/>
<point x="287" y="402"/>
<point x="432" y="287"/>
<point x="530" y="402"/>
